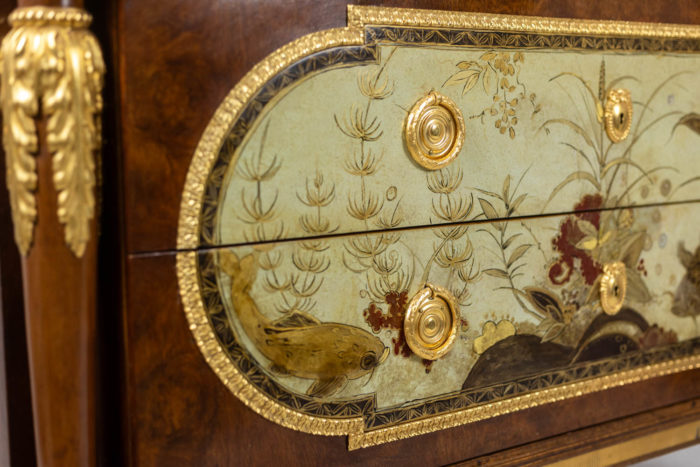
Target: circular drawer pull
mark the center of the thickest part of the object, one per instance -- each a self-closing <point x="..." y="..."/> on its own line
<point x="434" y="131"/>
<point x="431" y="322"/>
<point x="618" y="114"/>
<point x="613" y="287"/>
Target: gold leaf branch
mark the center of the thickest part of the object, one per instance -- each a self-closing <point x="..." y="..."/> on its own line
<point x="52" y="67"/>
<point x="256" y="212"/>
<point x="20" y="142"/>
<point x="74" y="135"/>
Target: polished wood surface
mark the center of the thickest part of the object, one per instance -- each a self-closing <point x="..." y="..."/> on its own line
<point x="60" y="306"/>
<point x="598" y="437"/>
<point x="60" y="312"/>
<point x="16" y="424"/>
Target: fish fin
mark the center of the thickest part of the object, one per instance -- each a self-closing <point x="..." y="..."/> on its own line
<point x="295" y="319"/>
<point x="229" y="263"/>
<point x="234" y="267"/>
<point x="326" y="387"/>
<point x="249" y="266"/>
<point x="280" y="370"/>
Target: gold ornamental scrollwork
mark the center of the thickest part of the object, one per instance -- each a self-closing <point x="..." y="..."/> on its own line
<point x="52" y="68"/>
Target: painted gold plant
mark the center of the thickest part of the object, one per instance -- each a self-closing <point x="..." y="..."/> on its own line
<point x="380" y="257"/>
<point x="511" y="245"/>
<point x="309" y="260"/>
<point x="259" y="209"/>
<point x="499" y="75"/>
<point x="565" y="305"/>
<point x="602" y="158"/>
<point x="454" y="251"/>
<point x="587" y="240"/>
<point x="375" y="256"/>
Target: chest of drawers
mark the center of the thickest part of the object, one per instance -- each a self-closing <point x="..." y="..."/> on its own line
<point x="373" y="234"/>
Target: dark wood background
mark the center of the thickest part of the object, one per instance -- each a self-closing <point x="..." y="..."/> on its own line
<point x="170" y="65"/>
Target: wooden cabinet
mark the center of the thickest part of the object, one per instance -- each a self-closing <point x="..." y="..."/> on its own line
<point x="337" y="235"/>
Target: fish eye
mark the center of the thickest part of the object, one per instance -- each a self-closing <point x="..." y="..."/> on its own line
<point x="369" y="361"/>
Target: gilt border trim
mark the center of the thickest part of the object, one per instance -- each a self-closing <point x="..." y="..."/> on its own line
<point x="526" y="401"/>
<point x="361" y="16"/>
<point x="229" y="112"/>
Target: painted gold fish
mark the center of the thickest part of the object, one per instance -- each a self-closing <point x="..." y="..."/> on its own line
<point x="299" y="344"/>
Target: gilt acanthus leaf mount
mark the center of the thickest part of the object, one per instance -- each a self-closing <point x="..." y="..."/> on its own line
<point x="52" y="69"/>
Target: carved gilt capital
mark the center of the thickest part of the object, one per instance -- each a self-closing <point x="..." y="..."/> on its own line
<point x="52" y="68"/>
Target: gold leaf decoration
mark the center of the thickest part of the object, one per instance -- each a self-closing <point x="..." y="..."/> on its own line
<point x="518" y="253"/>
<point x="489" y="210"/>
<point x="19" y="106"/>
<point x="691" y="120"/>
<point x="52" y="63"/>
<point x="493" y="333"/>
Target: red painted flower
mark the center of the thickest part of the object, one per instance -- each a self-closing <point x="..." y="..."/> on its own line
<point x="393" y="319"/>
<point x="567" y="239"/>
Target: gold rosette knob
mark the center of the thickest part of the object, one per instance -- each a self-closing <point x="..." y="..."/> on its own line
<point x="434" y="131"/>
<point x="431" y="322"/>
<point x="613" y="287"/>
<point x="617" y="114"/>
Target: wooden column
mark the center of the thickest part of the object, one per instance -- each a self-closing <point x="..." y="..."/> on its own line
<point x="60" y="306"/>
<point x="59" y="262"/>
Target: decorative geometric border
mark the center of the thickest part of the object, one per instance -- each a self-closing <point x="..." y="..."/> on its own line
<point x="514" y="404"/>
<point x="367" y="27"/>
<point x="520" y="40"/>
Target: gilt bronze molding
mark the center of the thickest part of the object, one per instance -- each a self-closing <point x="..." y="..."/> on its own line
<point x="52" y="69"/>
